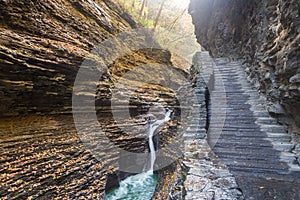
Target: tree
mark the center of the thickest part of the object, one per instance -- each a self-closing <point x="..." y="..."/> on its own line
<point x="159" y="13"/>
<point x="142" y="9"/>
<point x="132" y="5"/>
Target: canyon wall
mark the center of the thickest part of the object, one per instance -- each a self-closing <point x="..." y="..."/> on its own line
<point x="265" y="36"/>
<point x="42" y="46"/>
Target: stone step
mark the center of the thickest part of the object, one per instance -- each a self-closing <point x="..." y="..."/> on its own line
<point x="266" y="159"/>
<point x="283" y="146"/>
<point x="221" y="122"/>
<point x="251" y="142"/>
<point x="196" y="131"/>
<point x="258" y="135"/>
<point x="236" y="144"/>
<point x="251" y="126"/>
<point x="273" y="128"/>
<point x="279" y="145"/>
<point x="279" y="137"/>
<point x="289" y="157"/>
<point x="247" y="152"/>
<point x="269" y="174"/>
<point x="261" y="114"/>
<point x="239" y="131"/>
<point x="263" y="166"/>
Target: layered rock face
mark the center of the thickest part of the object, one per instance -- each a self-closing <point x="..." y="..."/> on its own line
<point x="42" y="46"/>
<point x="265" y="35"/>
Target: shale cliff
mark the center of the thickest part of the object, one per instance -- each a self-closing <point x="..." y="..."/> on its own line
<point x="265" y="36"/>
<point x="43" y="43"/>
<point x="42" y="46"/>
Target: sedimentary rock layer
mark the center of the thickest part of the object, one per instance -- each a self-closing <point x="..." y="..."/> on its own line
<point x="265" y="35"/>
<point x="42" y="46"/>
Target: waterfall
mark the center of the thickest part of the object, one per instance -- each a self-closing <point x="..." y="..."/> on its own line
<point x="152" y="149"/>
<point x="141" y="186"/>
<point x="153" y="127"/>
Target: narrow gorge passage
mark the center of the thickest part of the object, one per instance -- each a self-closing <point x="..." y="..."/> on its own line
<point x="150" y="99"/>
<point x="50" y="146"/>
<point x="257" y="150"/>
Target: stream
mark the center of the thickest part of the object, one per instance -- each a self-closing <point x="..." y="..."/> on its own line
<point x="141" y="186"/>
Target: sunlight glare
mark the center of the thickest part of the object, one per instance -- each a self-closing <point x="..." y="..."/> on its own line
<point x="181" y="3"/>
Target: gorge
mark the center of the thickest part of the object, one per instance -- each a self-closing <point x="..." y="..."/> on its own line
<point x="265" y="36"/>
<point x="93" y="105"/>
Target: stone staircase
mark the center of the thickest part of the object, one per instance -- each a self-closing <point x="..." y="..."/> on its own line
<point x="207" y="177"/>
<point x="257" y="150"/>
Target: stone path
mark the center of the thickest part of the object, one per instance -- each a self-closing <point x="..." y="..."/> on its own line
<point x="207" y="177"/>
<point x="245" y="154"/>
<point x="257" y="150"/>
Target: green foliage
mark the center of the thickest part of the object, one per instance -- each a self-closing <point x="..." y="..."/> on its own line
<point x="174" y="30"/>
<point x="133" y="7"/>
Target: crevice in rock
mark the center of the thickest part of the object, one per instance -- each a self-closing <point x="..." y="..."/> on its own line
<point x="207" y="106"/>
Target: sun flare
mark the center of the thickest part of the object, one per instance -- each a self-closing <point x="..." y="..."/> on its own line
<point x="181" y="3"/>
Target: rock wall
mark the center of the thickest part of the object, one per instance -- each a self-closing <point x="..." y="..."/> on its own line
<point x="265" y="35"/>
<point x="42" y="46"/>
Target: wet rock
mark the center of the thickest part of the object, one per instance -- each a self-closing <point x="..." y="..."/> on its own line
<point x="195" y="183"/>
<point x="206" y="176"/>
<point x="227" y="182"/>
<point x="295" y="79"/>
<point x="200" y="136"/>
<point x="264" y="35"/>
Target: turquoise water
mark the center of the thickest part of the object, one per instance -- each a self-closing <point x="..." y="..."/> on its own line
<point x="138" y="187"/>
